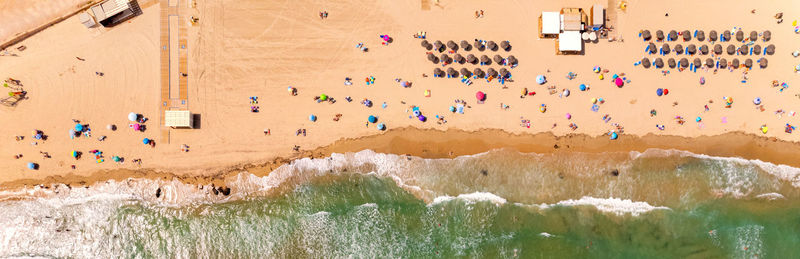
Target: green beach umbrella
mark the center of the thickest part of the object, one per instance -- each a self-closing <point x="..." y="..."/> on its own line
<point x="323" y="97"/>
<point x="116" y="159"/>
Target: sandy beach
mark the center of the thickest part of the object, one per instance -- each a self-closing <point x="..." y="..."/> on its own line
<point x="242" y="49"/>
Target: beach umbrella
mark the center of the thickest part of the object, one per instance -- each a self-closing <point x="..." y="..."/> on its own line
<point x="614" y="135"/>
<point x="111" y="127"/>
<point x="372" y="119"/>
<point x="757" y="49"/>
<point x="540" y="79"/>
<point x="438" y="45"/>
<point x="479" y="73"/>
<point x="739" y="36"/>
<point x="770" y="49"/>
<point x="137" y="127"/>
<point x="697" y="62"/>
<point x="565" y="93"/>
<point x="452" y="109"/>
<point x="704" y="49"/>
<point x="458" y="58"/>
<point x="323" y="97"/>
<point x="757" y="101"/>
<point x="491" y="72"/>
<point x="505" y="45"/>
<point x="766" y="36"/>
<point x="645" y="62"/>
<point x="497" y="59"/>
<point x="684" y="62"/>
<point x="673" y="35"/>
<point x="312" y="117"/>
<point x="659" y="91"/>
<point x="433" y="58"/>
<point x="646" y="35"/>
<point x="133" y="116"/>
<point x="491" y="45"/>
<point x="717" y="49"/>
<point x="678" y="49"/>
<point x="422" y="118"/>
<point x="659" y="35"/>
<point x="146" y="141"/>
<point x="709" y="62"/>
<point x="425" y="44"/>
<point x="465" y="72"/>
<point x="480" y="96"/>
<point x="452" y="72"/>
<point x="618" y="82"/>
<point x="671" y="63"/>
<point x="452" y="45"/>
<point x="731" y="49"/>
<point x="723" y="63"/>
<point x="744" y="49"/>
<point x="381" y="126"/>
<point x="444" y="58"/>
<point x="416" y="113"/>
<point x="712" y="35"/>
<point x="658" y="63"/>
<point x="753" y="36"/>
<point x="512" y="60"/>
<point x="478" y="45"/>
<point x="485" y="59"/>
<point x="735" y="63"/>
<point x="701" y="36"/>
<point x="504" y="73"/>
<point x="32" y="165"/>
<point x="582" y="87"/>
<point x="726" y="35"/>
<point x="74" y="154"/>
<point x="438" y="72"/>
<point x="72" y="133"/>
<point x="665" y="48"/>
<point x="465" y="45"/>
<point x="116" y="158"/>
<point x="687" y="36"/>
<point x="472" y="59"/>
<point x="748" y="63"/>
<point x="691" y="49"/>
<point x="592" y="36"/>
<point x="652" y="48"/>
<point x="78" y="127"/>
<point x="762" y="62"/>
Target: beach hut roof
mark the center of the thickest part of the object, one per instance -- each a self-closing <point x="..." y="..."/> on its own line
<point x="673" y="35"/>
<point x="712" y="35"/>
<point x="570" y="41"/>
<point x="671" y="63"/>
<point x="571" y="22"/>
<point x="597" y="15"/>
<point x="767" y="35"/>
<point x="645" y="62"/>
<point x="701" y="36"/>
<point x="551" y="23"/>
<point x="178" y="119"/>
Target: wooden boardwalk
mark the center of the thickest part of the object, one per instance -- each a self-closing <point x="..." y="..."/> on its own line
<point x="174" y="60"/>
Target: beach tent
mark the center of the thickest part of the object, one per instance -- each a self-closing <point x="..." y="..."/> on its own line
<point x="731" y="49"/>
<point x="540" y="79"/>
<point x="766" y="36"/>
<point x="700" y="35"/>
<point x="551" y="23"/>
<point x="570" y="41"/>
<point x="74" y="154"/>
<point x="505" y="45"/>
<point x="712" y="36"/>
<point x="372" y="119"/>
<point x="116" y="158"/>
<point x="133" y="116"/>
<point x="659" y="35"/>
<point x="491" y="45"/>
<point x="646" y="35"/>
<point x="614" y="135"/>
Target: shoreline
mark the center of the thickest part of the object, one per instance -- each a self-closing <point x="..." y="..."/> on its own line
<point x="433" y="143"/>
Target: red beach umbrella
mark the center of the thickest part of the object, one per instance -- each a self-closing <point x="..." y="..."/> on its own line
<point x="618" y="82"/>
<point x="480" y="95"/>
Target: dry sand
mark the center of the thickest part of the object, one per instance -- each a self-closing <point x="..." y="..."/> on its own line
<point x="259" y="48"/>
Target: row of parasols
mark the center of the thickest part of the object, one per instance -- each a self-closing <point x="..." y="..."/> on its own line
<point x="699" y="35"/>
<point x="691" y="49"/>
<point x="484" y="60"/>
<point x="710" y="63"/>
<point x="477" y="72"/>
<point x="477" y="44"/>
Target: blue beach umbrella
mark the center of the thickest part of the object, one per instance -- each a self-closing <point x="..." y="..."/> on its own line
<point x="31" y="166"/>
<point x="78" y="127"/>
<point x="614" y="135"/>
<point x="312" y="117"/>
<point x="659" y="91"/>
<point x="582" y="87"/>
<point x="146" y="141"/>
<point x="381" y="126"/>
<point x="116" y="159"/>
<point x="452" y="109"/>
<point x="372" y="119"/>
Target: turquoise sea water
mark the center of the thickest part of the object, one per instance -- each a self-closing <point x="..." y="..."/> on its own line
<point x="500" y="204"/>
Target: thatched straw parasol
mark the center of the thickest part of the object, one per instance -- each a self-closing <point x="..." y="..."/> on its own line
<point x="687" y="36"/>
<point x="491" y="72"/>
<point x="478" y="45"/>
<point x="731" y="49"/>
<point x="767" y="35"/>
<point x="505" y="45"/>
<point x="709" y="62"/>
<point x="452" y="72"/>
<point x="748" y="63"/>
<point x="452" y="45"/>
<point x="458" y="58"/>
<point x="678" y="49"/>
<point x="486" y="60"/>
<point x="433" y="58"/>
<point x="465" y="45"/>
<point x="726" y="35"/>
<point x="438" y="45"/>
<point x="697" y="62"/>
<point x="712" y="35"/>
<point x="723" y="63"/>
<point x="665" y="48"/>
<point x="704" y="49"/>
<point x="735" y="63"/>
<point x="762" y="62"/>
<point x="753" y="36"/>
<point x="684" y="62"/>
<point x="739" y="36"/>
<point x="658" y="63"/>
<point x="673" y="35"/>
<point x="770" y="49"/>
<point x="646" y="35"/>
<point x="445" y="58"/>
<point x="652" y="48"/>
<point x="472" y="59"/>
<point x="743" y="50"/>
<point x="645" y="62"/>
<point x="504" y="73"/>
<point x="491" y="45"/>
<point x="701" y="36"/>
<point x="671" y="63"/>
<point x="425" y="44"/>
<point x="438" y="72"/>
<point x="497" y="59"/>
<point x="757" y="49"/>
<point x="659" y="35"/>
<point x="479" y="73"/>
<point x="691" y="49"/>
<point x="512" y="60"/>
<point x="465" y="72"/>
<point x="717" y="49"/>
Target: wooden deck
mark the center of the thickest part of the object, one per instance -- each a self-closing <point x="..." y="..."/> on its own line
<point x="174" y="60"/>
